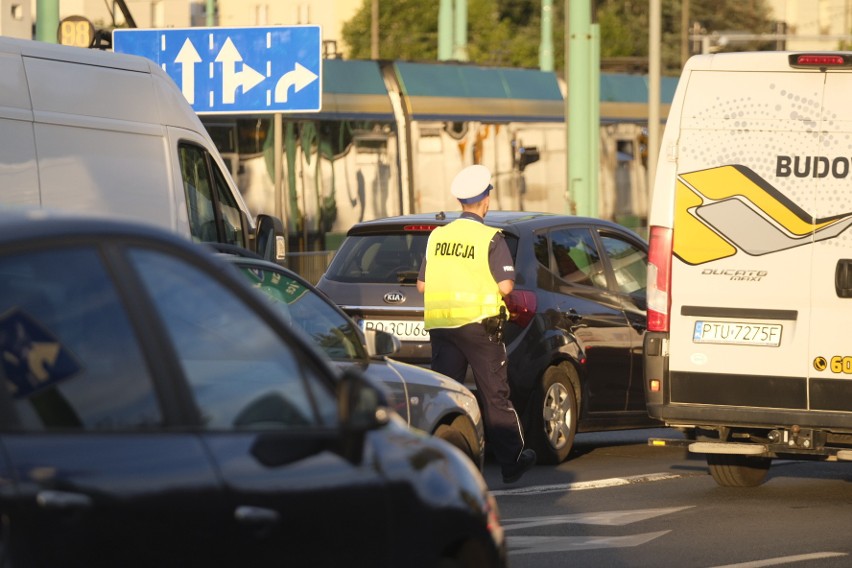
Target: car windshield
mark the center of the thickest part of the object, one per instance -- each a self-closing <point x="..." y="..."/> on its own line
<point x="310" y="312"/>
<point x="390" y="258"/>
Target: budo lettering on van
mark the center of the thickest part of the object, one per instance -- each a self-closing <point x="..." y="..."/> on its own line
<point x="816" y="166"/>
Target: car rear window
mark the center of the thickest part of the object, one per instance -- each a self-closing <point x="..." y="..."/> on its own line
<point x="390" y="258"/>
<point x="387" y="259"/>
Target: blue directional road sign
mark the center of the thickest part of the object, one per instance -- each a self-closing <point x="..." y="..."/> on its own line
<point x="236" y="70"/>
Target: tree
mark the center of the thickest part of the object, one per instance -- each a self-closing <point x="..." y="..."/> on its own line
<point x="624" y="26"/>
<point x="508" y="32"/>
<point x="500" y="32"/>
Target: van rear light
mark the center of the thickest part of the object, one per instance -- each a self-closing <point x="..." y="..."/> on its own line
<point x="659" y="278"/>
<point x="819" y="60"/>
<point x="522" y="305"/>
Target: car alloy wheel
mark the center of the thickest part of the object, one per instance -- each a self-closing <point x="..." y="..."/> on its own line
<point x="555" y="421"/>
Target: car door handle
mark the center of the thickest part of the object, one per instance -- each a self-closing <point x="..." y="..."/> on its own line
<point x="574" y="316"/>
<point x="249" y="515"/>
<point x="62" y="500"/>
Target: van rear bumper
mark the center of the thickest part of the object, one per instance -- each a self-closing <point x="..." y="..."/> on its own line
<point x="712" y="399"/>
<point x="656" y="363"/>
<point x="746" y="417"/>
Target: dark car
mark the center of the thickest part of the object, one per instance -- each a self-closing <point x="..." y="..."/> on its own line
<point x="577" y="314"/>
<point x="427" y="400"/>
<point x="155" y="410"/>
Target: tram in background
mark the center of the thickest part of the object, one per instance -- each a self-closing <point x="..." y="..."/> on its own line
<point x="391" y="135"/>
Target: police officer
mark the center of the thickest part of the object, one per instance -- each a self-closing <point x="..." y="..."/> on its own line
<point x="465" y="275"/>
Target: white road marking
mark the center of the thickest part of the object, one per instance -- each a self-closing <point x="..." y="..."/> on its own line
<point x="598" y="484"/>
<point x="786" y="560"/>
<point x="535" y="544"/>
<point x="608" y="518"/>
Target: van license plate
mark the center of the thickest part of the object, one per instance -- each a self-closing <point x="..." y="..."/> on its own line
<point x="737" y="333"/>
<point x="405" y="330"/>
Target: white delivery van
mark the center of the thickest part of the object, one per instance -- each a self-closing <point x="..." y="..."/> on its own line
<point x="750" y="276"/>
<point x="111" y="134"/>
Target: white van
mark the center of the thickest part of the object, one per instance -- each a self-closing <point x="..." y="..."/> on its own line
<point x="750" y="276"/>
<point x="111" y="134"/>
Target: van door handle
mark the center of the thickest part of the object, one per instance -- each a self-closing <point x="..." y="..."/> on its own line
<point x="843" y="278"/>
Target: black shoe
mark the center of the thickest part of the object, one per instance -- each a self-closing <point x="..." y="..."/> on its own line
<point x="513" y="472"/>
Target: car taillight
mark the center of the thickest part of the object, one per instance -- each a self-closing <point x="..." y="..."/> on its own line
<point x="522" y="306"/>
<point x="659" y="278"/>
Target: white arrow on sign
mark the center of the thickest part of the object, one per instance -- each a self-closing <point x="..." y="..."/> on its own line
<point x="300" y="77"/>
<point x="188" y="57"/>
<point x="232" y="79"/>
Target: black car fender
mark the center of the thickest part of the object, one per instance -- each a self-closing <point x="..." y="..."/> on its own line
<point x="438" y="494"/>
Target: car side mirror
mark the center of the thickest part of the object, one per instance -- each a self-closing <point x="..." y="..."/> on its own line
<point x="381" y="343"/>
<point x="269" y="238"/>
<point x="361" y="407"/>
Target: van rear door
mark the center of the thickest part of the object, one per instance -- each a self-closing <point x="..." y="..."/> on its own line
<point x="830" y="364"/>
<point x="743" y="226"/>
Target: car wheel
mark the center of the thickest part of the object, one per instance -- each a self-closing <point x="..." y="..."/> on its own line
<point x="454" y="433"/>
<point x="554" y="419"/>
<point x="738" y="471"/>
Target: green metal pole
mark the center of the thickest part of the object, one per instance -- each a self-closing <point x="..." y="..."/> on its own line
<point x="460" y="36"/>
<point x="47" y="20"/>
<point x="211" y="13"/>
<point x="594" y="119"/>
<point x="545" y="50"/>
<point x="445" y="30"/>
<point x="579" y="107"/>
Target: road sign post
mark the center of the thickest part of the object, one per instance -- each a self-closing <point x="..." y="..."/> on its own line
<point x="236" y="70"/>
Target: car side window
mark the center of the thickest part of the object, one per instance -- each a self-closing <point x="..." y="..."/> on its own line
<point x="542" y="252"/>
<point x="208" y="198"/>
<point x="576" y="257"/>
<point x="69" y="356"/>
<point x="302" y="307"/>
<point x="629" y="263"/>
<point x="242" y="373"/>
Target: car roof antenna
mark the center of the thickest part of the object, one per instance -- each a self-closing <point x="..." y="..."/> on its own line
<point x="440" y="216"/>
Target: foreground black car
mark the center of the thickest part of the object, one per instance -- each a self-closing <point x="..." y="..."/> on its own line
<point x="426" y="400"/>
<point x="578" y="314"/>
<point x="155" y="410"/>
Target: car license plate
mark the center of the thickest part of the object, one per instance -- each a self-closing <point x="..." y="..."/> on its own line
<point x="405" y="330"/>
<point x="737" y="333"/>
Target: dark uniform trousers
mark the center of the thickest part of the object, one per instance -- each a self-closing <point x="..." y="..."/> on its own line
<point x="452" y="350"/>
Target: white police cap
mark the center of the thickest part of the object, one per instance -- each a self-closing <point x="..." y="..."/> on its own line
<point x="472" y="184"/>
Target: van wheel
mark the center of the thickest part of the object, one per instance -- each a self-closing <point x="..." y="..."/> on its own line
<point x="738" y="471"/>
<point x="554" y="419"/>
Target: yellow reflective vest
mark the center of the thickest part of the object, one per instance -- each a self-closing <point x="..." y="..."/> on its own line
<point x="459" y="286"/>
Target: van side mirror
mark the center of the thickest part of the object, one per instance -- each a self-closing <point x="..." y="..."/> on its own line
<point x="269" y="241"/>
<point x="381" y="343"/>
